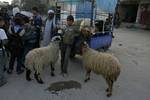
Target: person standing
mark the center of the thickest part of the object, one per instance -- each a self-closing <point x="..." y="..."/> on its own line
<point x="6" y="17"/>
<point x="29" y="38"/>
<point x="37" y="23"/>
<point x="3" y="41"/>
<point x="68" y="39"/>
<point x="50" y="27"/>
<point x="16" y="45"/>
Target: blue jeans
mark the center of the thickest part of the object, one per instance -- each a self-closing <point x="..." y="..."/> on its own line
<point x="16" y="56"/>
<point x="65" y="55"/>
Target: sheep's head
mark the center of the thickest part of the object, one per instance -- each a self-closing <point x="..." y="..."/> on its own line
<point x="86" y="32"/>
<point x="84" y="47"/>
<point x="56" y="40"/>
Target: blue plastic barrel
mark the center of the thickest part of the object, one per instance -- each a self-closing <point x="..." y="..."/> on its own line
<point x="99" y="40"/>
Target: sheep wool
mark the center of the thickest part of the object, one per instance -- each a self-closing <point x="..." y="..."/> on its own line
<point x="104" y="64"/>
<point x="37" y="58"/>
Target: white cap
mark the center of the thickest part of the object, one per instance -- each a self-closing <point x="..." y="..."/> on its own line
<point x="26" y="13"/>
<point x="31" y="18"/>
<point x="50" y="11"/>
<point x="15" y="11"/>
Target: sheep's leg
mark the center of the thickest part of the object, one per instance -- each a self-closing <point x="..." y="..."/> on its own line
<point x="107" y="81"/>
<point x="28" y="72"/>
<point x="88" y="72"/>
<point x="38" y="78"/>
<point x="52" y="70"/>
<point x="110" y="86"/>
<point x="107" y="90"/>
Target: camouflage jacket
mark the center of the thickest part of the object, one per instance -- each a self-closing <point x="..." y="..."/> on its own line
<point x="69" y="34"/>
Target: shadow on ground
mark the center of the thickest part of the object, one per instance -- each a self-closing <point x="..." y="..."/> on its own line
<point x="54" y="88"/>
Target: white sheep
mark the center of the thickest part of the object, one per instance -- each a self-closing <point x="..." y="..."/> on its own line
<point x="101" y="63"/>
<point x="37" y="58"/>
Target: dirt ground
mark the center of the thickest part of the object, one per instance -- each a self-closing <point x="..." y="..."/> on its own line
<point x="132" y="48"/>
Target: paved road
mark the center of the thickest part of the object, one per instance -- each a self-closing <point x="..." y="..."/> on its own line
<point x="131" y="46"/>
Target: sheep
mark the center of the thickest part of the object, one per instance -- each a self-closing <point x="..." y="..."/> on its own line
<point x="101" y="63"/>
<point x="37" y="58"/>
<point x="85" y="28"/>
<point x="85" y="23"/>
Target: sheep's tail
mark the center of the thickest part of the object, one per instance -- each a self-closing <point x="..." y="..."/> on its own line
<point x="117" y="74"/>
<point x="28" y="64"/>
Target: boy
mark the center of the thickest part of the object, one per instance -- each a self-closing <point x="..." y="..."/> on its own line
<point x="70" y="33"/>
<point x="16" y="45"/>
<point x="37" y="23"/>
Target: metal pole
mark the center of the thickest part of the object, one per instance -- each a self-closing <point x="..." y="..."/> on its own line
<point x="71" y="8"/>
<point x="92" y="12"/>
<point x="56" y="13"/>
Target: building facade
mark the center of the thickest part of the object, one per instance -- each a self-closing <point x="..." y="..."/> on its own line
<point x="143" y="13"/>
<point x="49" y="2"/>
<point x="135" y="11"/>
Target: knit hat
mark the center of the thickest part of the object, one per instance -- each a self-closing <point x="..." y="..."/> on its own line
<point x="70" y="17"/>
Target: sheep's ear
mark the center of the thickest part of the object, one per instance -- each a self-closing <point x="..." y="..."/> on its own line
<point x="84" y="44"/>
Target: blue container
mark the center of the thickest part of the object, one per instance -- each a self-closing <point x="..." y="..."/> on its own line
<point x="100" y="41"/>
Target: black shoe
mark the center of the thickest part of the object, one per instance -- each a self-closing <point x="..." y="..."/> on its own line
<point x="3" y="83"/>
<point x="20" y="71"/>
<point x="64" y="74"/>
<point x="5" y="69"/>
<point x="113" y="36"/>
<point x="23" y="66"/>
<point x="9" y="71"/>
<point x="72" y="55"/>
